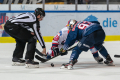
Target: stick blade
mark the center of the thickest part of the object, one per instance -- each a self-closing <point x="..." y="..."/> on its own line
<point x="117" y="56"/>
<point x="40" y="59"/>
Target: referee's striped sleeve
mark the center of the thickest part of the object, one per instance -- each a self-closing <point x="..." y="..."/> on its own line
<point x="38" y="35"/>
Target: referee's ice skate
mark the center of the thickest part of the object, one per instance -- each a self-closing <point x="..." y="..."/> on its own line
<point x="32" y="64"/>
<point x="18" y="62"/>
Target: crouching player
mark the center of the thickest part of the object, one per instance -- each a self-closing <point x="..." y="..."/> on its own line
<point x="59" y="40"/>
<point x="89" y="34"/>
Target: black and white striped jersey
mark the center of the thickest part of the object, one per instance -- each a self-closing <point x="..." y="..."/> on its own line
<point x="30" y="22"/>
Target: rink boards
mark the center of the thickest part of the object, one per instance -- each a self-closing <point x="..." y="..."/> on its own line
<point x="54" y="21"/>
<point x="50" y="38"/>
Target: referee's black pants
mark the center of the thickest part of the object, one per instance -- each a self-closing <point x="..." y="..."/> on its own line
<point x="21" y="36"/>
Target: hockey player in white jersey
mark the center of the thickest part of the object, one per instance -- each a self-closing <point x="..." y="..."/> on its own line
<point x="25" y="28"/>
<point x="59" y="40"/>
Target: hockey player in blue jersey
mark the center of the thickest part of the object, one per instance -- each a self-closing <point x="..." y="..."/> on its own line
<point x="60" y="38"/>
<point x="89" y="34"/>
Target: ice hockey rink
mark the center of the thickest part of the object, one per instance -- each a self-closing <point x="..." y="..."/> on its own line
<point x="86" y="68"/>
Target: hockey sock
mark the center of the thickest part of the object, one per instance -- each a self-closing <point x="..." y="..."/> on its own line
<point x="75" y="53"/>
<point x="94" y="51"/>
<point x="95" y="54"/>
<point x="103" y="52"/>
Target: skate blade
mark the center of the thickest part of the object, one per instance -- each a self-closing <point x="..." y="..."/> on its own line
<point x="18" y="64"/>
<point x="70" y="67"/>
<point x="100" y="62"/>
<point x="31" y="66"/>
<point x="62" y="67"/>
<point x="111" y="64"/>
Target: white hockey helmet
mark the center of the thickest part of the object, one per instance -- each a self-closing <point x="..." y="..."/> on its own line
<point x="71" y="22"/>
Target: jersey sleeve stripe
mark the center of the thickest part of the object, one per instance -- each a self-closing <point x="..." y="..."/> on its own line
<point x="40" y="39"/>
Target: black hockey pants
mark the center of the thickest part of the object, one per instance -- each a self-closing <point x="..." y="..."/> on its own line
<point x="21" y="36"/>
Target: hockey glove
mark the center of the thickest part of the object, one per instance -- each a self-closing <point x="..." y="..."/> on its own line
<point x="63" y="52"/>
<point x="55" y="51"/>
<point x="63" y="42"/>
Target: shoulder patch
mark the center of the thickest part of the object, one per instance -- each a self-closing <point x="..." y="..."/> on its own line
<point x="60" y="33"/>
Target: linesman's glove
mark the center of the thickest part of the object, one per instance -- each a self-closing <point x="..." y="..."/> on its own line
<point x="63" y="52"/>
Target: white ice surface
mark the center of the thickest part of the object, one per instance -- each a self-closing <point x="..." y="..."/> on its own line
<point x="86" y="68"/>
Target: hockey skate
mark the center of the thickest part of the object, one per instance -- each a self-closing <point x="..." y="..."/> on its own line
<point x="109" y="61"/>
<point x="18" y="62"/>
<point x="68" y="65"/>
<point x="31" y="64"/>
<point x="99" y="59"/>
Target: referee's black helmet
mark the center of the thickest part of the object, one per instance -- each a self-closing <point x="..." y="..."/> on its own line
<point x="39" y="11"/>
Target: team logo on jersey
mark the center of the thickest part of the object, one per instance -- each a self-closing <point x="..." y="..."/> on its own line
<point x="56" y="38"/>
<point x="91" y="18"/>
<point x="60" y="33"/>
<point x="79" y="44"/>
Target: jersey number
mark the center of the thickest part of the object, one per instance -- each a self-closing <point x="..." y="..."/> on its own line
<point x="83" y="25"/>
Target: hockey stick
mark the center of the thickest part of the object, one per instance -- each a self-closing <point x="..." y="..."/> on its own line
<point x="38" y="52"/>
<point x="42" y="59"/>
<point x="45" y="60"/>
<point x="41" y="54"/>
<point x="117" y="56"/>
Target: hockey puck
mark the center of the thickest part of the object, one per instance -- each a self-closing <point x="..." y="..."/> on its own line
<point x="52" y="64"/>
